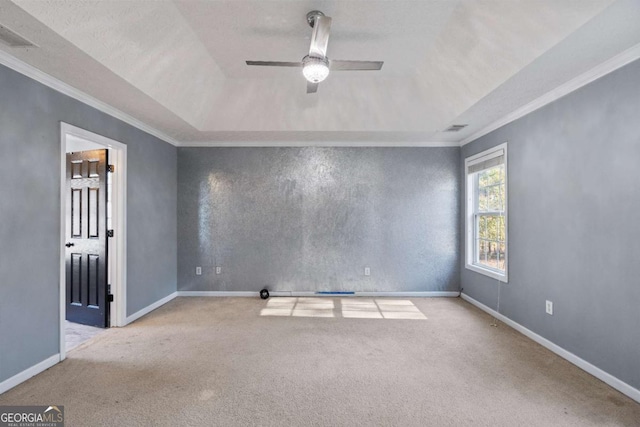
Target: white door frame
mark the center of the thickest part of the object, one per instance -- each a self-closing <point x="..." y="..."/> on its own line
<point x="118" y="158"/>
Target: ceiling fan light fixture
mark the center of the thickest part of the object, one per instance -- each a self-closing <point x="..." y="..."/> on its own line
<point x="315" y="70"/>
<point x="316" y="66"/>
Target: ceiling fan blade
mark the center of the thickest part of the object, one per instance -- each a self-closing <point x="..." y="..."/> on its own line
<point x="320" y="37"/>
<point x="275" y="63"/>
<point x="356" y="65"/>
<point x="312" y="87"/>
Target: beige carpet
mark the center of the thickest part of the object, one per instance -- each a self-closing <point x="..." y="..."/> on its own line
<point x="233" y="361"/>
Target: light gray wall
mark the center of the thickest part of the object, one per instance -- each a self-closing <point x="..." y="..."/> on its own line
<point x="574" y="230"/>
<point x="30" y="115"/>
<point x="309" y="219"/>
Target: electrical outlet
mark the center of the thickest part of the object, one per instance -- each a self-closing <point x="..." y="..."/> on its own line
<point x="367" y="271"/>
<point x="198" y="271"/>
<point x="218" y="270"/>
<point x="549" y="307"/>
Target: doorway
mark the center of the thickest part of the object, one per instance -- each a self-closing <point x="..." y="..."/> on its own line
<point x="93" y="235"/>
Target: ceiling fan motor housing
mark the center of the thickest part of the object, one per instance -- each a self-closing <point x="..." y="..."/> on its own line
<point x="311" y="17"/>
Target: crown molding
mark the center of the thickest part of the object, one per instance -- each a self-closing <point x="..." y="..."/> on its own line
<point x="30" y="71"/>
<point x="583" y="79"/>
<point x="317" y="144"/>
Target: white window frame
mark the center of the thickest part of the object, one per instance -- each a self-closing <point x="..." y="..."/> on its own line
<point x="469" y="220"/>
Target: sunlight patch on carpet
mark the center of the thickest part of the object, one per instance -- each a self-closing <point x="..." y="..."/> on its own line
<point x="351" y="308"/>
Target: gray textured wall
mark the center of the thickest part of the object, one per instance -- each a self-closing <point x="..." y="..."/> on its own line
<point x="309" y="219"/>
<point x="30" y="115"/>
<point x="574" y="230"/>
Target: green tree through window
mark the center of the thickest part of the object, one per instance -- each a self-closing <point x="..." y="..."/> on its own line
<point x="490" y="247"/>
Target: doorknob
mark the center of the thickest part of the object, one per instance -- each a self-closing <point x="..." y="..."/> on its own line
<point x="69" y="245"/>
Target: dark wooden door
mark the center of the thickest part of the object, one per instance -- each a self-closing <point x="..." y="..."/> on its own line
<point x="86" y="243"/>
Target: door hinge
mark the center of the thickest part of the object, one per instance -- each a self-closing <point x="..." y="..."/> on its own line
<point x="109" y="297"/>
<point x="109" y="233"/>
<point x="111" y="168"/>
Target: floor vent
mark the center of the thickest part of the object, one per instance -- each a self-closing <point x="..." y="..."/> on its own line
<point x="455" y="128"/>
<point x="13" y="39"/>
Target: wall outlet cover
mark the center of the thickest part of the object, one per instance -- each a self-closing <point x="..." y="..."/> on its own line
<point x="549" y="307"/>
<point x="198" y="271"/>
<point x="218" y="270"/>
<point x="367" y="271"/>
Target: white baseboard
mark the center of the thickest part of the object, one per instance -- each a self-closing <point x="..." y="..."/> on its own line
<point x="314" y="294"/>
<point x="428" y="294"/>
<point x="294" y="294"/>
<point x="605" y="377"/>
<point x="148" y="309"/>
<point x="218" y="294"/>
<point x="28" y="373"/>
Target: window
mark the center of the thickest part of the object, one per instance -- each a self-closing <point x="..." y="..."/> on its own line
<point x="486" y="222"/>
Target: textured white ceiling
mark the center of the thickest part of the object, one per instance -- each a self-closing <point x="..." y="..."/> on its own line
<point x="179" y="65"/>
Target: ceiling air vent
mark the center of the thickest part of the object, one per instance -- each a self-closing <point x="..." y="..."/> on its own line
<point x="13" y="39"/>
<point x="455" y="128"/>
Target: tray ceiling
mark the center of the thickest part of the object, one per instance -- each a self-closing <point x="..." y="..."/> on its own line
<point x="179" y="65"/>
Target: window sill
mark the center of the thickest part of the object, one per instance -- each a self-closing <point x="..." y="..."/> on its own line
<point x="490" y="273"/>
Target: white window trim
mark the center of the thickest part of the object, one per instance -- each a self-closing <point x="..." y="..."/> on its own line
<point x="469" y="237"/>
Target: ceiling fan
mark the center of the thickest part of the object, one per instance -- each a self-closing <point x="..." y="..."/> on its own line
<point x="316" y="65"/>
